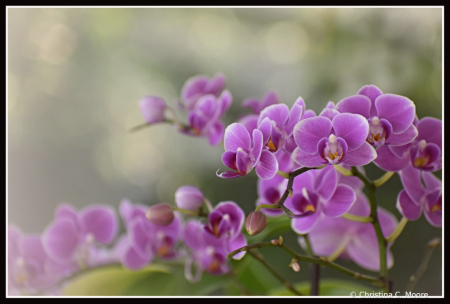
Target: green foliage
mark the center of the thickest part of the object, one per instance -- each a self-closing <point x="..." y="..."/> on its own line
<point x="328" y="287"/>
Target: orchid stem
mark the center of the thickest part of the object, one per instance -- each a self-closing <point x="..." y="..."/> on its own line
<point x="423" y="266"/>
<point x="377" y="183"/>
<point x="288" y="285"/>
<point x="301" y="258"/>
<point x="190" y="212"/>
<point x="315" y="269"/>
<point x="382" y="244"/>
<point x="343" y="171"/>
<point x="267" y="206"/>
<point x="362" y="219"/>
<point x="283" y="174"/>
<point x="208" y="204"/>
<point x="397" y="231"/>
<point x="146" y="124"/>
<point x="289" y="191"/>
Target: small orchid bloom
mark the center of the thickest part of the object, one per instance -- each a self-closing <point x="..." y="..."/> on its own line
<point x="29" y="267"/>
<point x="416" y="197"/>
<point x="424" y="153"/>
<point x="257" y="106"/>
<point x="204" y="118"/>
<point x="196" y="87"/>
<point x="226" y="220"/>
<point x="341" y="140"/>
<point x="355" y="241"/>
<point x="282" y="124"/>
<point x="189" y="198"/>
<point x="208" y="251"/>
<point x="390" y="116"/>
<point x="317" y="194"/>
<point x="146" y="240"/>
<point x="71" y="238"/>
<point x="243" y="153"/>
<point x="269" y="193"/>
<point x="152" y="109"/>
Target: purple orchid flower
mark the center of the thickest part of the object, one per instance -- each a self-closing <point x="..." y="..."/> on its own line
<point x="417" y="197"/>
<point x="282" y="122"/>
<point x="146" y="240"/>
<point x="390" y="116"/>
<point x="196" y="87"/>
<point x="340" y="140"/>
<point x="152" y="109"/>
<point x="317" y="194"/>
<point x="208" y="251"/>
<point x="270" y="192"/>
<point x="29" y="267"/>
<point x="226" y="220"/>
<point x="424" y="153"/>
<point x="257" y="106"/>
<point x="204" y="118"/>
<point x="71" y="238"/>
<point x="357" y="241"/>
<point x="243" y="153"/>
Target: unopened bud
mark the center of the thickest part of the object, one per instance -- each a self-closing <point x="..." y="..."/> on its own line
<point x="160" y="214"/>
<point x="274" y="242"/>
<point x="295" y="266"/>
<point x="256" y="222"/>
<point x="152" y="109"/>
<point x="189" y="198"/>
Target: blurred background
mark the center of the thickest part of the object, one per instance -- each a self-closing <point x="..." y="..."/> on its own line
<point x="75" y="76"/>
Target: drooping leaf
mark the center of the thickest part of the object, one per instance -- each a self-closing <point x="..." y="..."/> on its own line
<point x="110" y="281"/>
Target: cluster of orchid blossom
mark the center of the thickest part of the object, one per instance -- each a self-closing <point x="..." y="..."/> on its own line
<point x="309" y="168"/>
<point x="75" y="241"/>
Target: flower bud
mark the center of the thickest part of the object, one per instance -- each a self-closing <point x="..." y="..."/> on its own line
<point x="256" y="222"/>
<point x="160" y="214"/>
<point x="152" y="108"/>
<point x="189" y="198"/>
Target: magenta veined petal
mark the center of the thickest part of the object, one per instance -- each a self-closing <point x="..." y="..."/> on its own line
<point x="236" y="243"/>
<point x="356" y="104"/>
<point x="267" y="166"/>
<point x="255" y="151"/>
<point x="361" y="156"/>
<point x="230" y="174"/>
<point x="60" y="240"/>
<point x="341" y="201"/>
<point x="132" y="260"/>
<point x="407" y="207"/>
<point x="101" y="221"/>
<point x="388" y="161"/>
<point x="278" y="113"/>
<point x="412" y="183"/>
<point x="353" y="128"/>
<point x="307" y="133"/>
<point x="398" y="110"/>
<point x="403" y="138"/>
<point x="250" y="122"/>
<point x="216" y="133"/>
<point x="430" y="129"/>
<point x="372" y="92"/>
<point x="307" y="160"/>
<point x="431" y="181"/>
<point x="265" y="127"/>
<point x="306" y="224"/>
<point x="236" y="136"/>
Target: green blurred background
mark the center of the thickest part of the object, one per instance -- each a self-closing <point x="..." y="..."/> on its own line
<point x="75" y="76"/>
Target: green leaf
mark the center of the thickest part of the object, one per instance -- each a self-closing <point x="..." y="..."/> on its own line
<point x="110" y="280"/>
<point x="175" y="284"/>
<point x="328" y="287"/>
